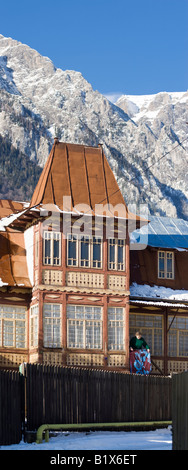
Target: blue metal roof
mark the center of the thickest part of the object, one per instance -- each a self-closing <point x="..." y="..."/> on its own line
<point x="163" y="232"/>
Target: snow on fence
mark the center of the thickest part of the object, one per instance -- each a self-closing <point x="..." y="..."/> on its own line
<point x="58" y="395"/>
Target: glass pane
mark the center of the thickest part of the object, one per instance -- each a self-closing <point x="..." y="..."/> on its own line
<point x="97" y="252"/>
<point x="85" y="251"/>
<point x="161" y="264"/>
<point x="20" y="334"/>
<point x="121" y="254"/>
<point x="183" y="343"/>
<point x="47" y="252"/>
<point x="8" y="333"/>
<point x="169" y="267"/>
<point x="112" y="253"/>
<point x="72" y="241"/>
<point x="56" y="253"/>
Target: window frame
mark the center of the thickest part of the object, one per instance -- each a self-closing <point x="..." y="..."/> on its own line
<point x="166" y="253"/>
<point x="34" y="326"/>
<point x="115" y="262"/>
<point x="82" y="322"/>
<point x="175" y="333"/>
<point x="114" y="324"/>
<point x="11" y="317"/>
<point x="51" y="321"/>
<point x="90" y="260"/>
<point x="51" y="238"/>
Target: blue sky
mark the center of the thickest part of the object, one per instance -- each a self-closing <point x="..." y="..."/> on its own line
<point x="119" y="46"/>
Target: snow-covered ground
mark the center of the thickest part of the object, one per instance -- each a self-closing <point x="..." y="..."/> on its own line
<point x="160" y="439"/>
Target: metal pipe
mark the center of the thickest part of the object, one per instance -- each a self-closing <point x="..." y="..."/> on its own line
<point x="81" y="427"/>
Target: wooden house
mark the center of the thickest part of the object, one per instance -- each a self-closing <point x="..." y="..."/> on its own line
<point x="159" y="291"/>
<point x="64" y="268"/>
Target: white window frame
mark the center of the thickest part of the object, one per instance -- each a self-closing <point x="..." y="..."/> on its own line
<point x="82" y="263"/>
<point x="166" y="273"/>
<point x="34" y="326"/>
<point x="78" y="319"/>
<point x="52" y="321"/>
<point x="116" y="324"/>
<point x="114" y="265"/>
<point x="14" y="315"/>
<point x="51" y="236"/>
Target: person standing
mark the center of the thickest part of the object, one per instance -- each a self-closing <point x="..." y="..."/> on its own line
<point x="140" y="361"/>
<point x="138" y="342"/>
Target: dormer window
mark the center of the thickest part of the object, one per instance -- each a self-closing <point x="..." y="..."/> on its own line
<point x="165" y="264"/>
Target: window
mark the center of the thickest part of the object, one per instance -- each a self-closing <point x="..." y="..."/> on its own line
<point x="34" y="317"/>
<point x="165" y="265"/>
<point x="116" y="254"/>
<point x="51" y="248"/>
<point x="96" y="252"/>
<point x="178" y="336"/>
<point x="72" y="250"/>
<point x="116" y="328"/>
<point x="12" y="326"/>
<point x="85" y="252"/>
<point x="152" y="330"/>
<point x="52" y="325"/>
<point x="84" y="327"/>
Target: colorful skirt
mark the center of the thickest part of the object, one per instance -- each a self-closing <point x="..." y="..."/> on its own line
<point x="140" y="362"/>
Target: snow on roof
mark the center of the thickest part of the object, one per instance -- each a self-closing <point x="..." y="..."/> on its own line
<point x="158" y="292"/>
<point x="164" y="232"/>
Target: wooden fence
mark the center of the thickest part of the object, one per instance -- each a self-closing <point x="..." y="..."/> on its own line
<point x="57" y="395"/>
<point x="180" y="411"/>
<point x="62" y="395"/>
<point x="11" y="407"/>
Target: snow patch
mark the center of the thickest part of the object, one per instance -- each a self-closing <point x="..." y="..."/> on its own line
<point x="165" y="293"/>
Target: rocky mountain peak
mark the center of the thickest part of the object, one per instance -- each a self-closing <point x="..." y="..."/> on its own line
<point x="39" y="101"/>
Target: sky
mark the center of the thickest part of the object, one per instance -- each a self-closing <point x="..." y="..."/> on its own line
<point x="133" y="47"/>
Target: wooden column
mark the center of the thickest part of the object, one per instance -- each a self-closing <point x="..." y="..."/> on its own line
<point x="64" y="258"/>
<point x="40" y="295"/>
<point x="105" y="329"/>
<point x="64" y="327"/>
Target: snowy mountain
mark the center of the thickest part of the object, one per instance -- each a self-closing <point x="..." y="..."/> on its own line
<point x="39" y="101"/>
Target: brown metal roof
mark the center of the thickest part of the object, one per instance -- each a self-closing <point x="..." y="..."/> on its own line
<point x="13" y="263"/>
<point x="83" y="174"/>
<point x="8" y="207"/>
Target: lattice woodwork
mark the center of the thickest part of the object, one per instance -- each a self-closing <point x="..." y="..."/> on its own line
<point x="53" y="358"/>
<point x="85" y="279"/>
<point x="116" y="282"/>
<point x="51" y="276"/>
<point x="116" y="360"/>
<point x="177" y="366"/>
<point x="12" y="359"/>
<point x="74" y="359"/>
